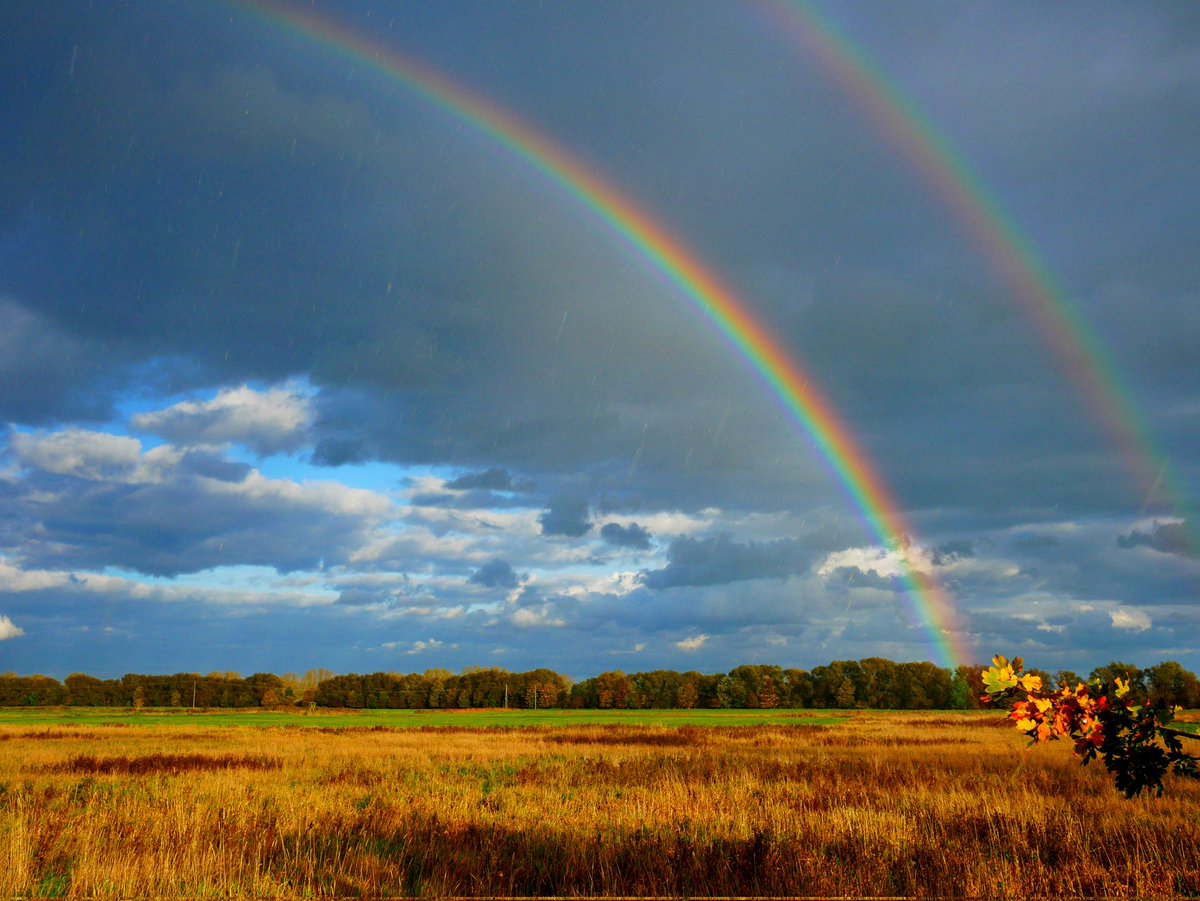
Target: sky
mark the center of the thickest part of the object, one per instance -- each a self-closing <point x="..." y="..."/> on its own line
<point x="304" y="365"/>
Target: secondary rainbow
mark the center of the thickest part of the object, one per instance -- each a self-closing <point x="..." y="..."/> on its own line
<point x="707" y="293"/>
<point x="929" y="153"/>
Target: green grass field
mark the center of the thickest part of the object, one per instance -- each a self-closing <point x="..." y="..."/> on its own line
<point x="413" y="719"/>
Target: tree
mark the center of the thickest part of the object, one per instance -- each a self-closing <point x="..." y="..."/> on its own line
<point x="1066" y="678"/>
<point x="612" y="689"/>
<point x="799" y="688"/>
<point x="1170" y="684"/>
<point x="688" y="694"/>
<point x="437" y="696"/>
<point x="971" y="676"/>
<point x="879" y="683"/>
<point x="725" y="692"/>
<point x="767" y="697"/>
<point x="1103" y="719"/>
<point x="314" y="677"/>
<point x="827" y="681"/>
<point x="845" y="693"/>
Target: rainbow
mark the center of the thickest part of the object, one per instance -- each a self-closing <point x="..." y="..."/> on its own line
<point x="1075" y="346"/>
<point x="700" y="285"/>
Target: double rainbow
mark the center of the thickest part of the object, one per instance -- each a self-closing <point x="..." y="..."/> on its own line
<point x="1073" y="344"/>
<point x="706" y="292"/>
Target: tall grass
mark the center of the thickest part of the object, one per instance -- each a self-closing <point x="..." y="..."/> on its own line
<point x="883" y="805"/>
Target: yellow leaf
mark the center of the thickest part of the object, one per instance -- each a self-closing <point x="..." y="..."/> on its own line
<point x="1031" y="683"/>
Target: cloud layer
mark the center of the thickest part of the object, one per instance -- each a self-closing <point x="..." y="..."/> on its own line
<point x="297" y="364"/>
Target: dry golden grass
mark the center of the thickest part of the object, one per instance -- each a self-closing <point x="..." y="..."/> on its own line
<point x="887" y="804"/>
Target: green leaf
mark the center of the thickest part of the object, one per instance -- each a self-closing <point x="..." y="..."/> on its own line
<point x="997" y="681"/>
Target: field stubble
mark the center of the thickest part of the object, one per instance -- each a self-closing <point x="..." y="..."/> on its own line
<point x="883" y="805"/>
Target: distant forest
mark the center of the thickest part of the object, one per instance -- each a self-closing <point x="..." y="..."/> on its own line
<point x="870" y="683"/>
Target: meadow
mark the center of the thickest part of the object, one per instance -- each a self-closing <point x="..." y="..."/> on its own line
<point x="646" y="803"/>
<point x="491" y="718"/>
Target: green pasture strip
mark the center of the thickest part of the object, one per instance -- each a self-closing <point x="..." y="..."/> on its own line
<point x="414" y="719"/>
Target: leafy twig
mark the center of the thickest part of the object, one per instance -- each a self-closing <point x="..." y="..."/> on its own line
<point x="1134" y="741"/>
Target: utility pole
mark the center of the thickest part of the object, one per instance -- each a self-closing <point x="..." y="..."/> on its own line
<point x="505" y="695"/>
<point x="193" y="694"/>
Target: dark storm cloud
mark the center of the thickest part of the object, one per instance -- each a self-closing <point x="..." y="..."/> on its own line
<point x="494" y="479"/>
<point x="1033" y="542"/>
<point x="362" y="597"/>
<point x="1167" y="537"/>
<point x="1085" y="636"/>
<point x="630" y="536"/>
<point x="213" y="466"/>
<point x="496" y="574"/>
<point x="1075" y="560"/>
<point x="494" y="488"/>
<point x="720" y="560"/>
<point x="468" y="500"/>
<point x="44" y="371"/>
<point x="566" y="515"/>
<point x="853" y="577"/>
<point x="949" y="551"/>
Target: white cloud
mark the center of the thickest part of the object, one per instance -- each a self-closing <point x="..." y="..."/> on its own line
<point x="9" y="629"/>
<point x="695" y="643"/>
<point x="419" y="647"/>
<point x="331" y="497"/>
<point x="267" y="421"/>
<point x="884" y="562"/>
<point x="618" y="583"/>
<point x="527" y="617"/>
<point x="1129" y="620"/>
<point x="211" y="587"/>
<point x="14" y="579"/>
<point x="78" y="452"/>
<point x="671" y="523"/>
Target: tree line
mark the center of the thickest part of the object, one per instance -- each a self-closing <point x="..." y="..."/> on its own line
<point x="873" y="682"/>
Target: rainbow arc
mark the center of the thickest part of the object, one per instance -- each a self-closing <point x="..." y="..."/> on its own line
<point x="706" y="292"/>
<point x="1073" y="344"/>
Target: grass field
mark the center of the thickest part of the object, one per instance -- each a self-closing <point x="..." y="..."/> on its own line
<point x="411" y="719"/>
<point x="878" y="804"/>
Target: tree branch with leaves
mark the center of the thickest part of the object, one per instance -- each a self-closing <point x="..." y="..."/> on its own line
<point x="1135" y="741"/>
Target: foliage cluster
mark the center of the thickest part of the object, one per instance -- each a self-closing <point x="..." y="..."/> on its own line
<point x="1102" y="718"/>
<point x="870" y="683"/>
<point x="179" y="690"/>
